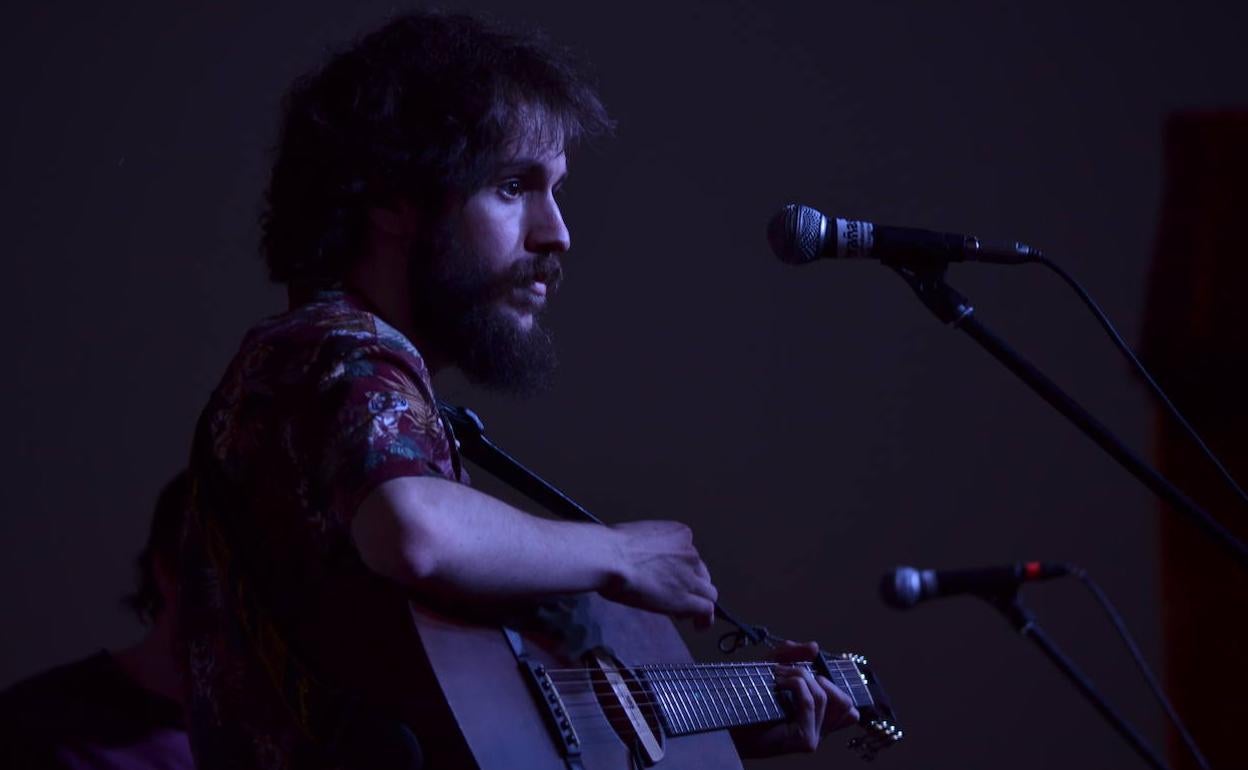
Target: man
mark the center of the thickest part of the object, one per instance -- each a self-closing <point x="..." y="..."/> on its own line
<point x="113" y="710"/>
<point x="413" y="215"/>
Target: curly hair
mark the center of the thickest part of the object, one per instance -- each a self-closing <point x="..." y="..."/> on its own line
<point x="164" y="539"/>
<point x="419" y="109"/>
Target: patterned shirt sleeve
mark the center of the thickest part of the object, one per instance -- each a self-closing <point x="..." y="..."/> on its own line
<point x="378" y="421"/>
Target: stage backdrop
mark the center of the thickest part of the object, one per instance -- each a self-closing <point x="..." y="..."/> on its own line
<point x="814" y="425"/>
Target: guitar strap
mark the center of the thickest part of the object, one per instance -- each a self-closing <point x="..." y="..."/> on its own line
<point x="467" y="433"/>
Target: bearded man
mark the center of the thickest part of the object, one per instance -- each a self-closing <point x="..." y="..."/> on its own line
<point x="413" y="215"/>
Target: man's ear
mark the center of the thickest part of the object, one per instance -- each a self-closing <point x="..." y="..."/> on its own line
<point x="400" y="219"/>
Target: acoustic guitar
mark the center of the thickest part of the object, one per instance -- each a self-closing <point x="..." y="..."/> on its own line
<point x="587" y="683"/>
<point x="597" y="685"/>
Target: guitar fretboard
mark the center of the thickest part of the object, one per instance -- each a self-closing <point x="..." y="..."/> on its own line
<point x="699" y="697"/>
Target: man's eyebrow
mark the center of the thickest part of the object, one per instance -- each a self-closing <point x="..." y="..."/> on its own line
<point x="527" y="167"/>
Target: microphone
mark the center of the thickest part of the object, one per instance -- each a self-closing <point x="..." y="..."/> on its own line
<point x="905" y="587"/>
<point x="799" y="234"/>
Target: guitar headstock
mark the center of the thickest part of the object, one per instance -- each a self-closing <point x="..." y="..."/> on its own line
<point x="876" y="717"/>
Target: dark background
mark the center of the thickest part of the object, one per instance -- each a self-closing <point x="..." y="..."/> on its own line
<point x="815" y="426"/>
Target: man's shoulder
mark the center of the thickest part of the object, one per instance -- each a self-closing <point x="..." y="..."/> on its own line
<point x="89" y="714"/>
<point x="328" y="336"/>
<point x="330" y="318"/>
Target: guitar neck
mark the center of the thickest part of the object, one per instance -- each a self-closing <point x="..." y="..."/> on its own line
<point x="695" y="698"/>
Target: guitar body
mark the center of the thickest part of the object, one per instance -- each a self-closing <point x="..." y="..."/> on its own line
<point x="494" y="707"/>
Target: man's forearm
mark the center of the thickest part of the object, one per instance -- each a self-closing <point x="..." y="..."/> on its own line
<point x="450" y="540"/>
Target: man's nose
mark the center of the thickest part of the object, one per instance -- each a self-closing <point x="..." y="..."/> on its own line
<point x="547" y="232"/>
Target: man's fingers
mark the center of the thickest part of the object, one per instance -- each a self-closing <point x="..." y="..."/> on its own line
<point x="794" y="652"/>
<point x="840" y="707"/>
<point x="805" y="734"/>
<point x="820" y="698"/>
<point x="706" y="589"/>
<point x="705" y="617"/>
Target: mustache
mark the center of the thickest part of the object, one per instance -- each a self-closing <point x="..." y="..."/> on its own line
<point x="543" y="268"/>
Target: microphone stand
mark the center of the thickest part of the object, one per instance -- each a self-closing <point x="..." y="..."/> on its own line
<point x="954" y="309"/>
<point x="1025" y="623"/>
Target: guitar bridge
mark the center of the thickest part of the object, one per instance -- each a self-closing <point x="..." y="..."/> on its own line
<point x="556" y="713"/>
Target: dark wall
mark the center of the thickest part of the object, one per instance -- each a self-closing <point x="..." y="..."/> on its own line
<point x="814" y="425"/>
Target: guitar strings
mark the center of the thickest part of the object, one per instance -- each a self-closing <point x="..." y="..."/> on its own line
<point x="706" y="686"/>
<point x="656" y="694"/>
<point x="698" y="673"/>
<point x="675" y="702"/>
<point x="682" y="709"/>
<point x="590" y="715"/>
<point x="716" y="695"/>
<point x="709" y="707"/>
<point x="695" y="672"/>
<point x="713" y="700"/>
<point x="700" y="720"/>
<point x="701" y="674"/>
<point x="682" y="706"/>
<point x="842" y="665"/>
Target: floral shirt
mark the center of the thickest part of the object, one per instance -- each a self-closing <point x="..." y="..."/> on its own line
<point x="320" y="405"/>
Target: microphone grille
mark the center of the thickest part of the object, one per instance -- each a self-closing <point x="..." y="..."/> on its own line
<point x="796" y="234"/>
<point x="902" y="588"/>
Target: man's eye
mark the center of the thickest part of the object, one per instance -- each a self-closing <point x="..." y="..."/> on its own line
<point x="511" y="188"/>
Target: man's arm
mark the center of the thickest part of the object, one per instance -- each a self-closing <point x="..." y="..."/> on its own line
<point x="451" y="541"/>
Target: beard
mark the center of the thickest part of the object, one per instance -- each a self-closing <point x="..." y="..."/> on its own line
<point x="457" y="302"/>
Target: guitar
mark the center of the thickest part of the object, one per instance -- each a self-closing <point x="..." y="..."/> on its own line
<point x="595" y="684"/>
<point x="578" y="697"/>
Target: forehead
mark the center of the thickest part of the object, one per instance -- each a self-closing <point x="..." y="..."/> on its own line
<point x="536" y="138"/>
<point x="549" y="164"/>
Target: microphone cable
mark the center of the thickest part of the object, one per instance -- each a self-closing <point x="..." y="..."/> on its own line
<point x="1140" y="663"/>
<point x="1157" y="390"/>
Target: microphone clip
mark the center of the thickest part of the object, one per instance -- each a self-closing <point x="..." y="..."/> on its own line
<point x="945" y="302"/>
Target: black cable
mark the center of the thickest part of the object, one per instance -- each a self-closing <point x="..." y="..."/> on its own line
<point x="1122" y="345"/>
<point x="1140" y="663"/>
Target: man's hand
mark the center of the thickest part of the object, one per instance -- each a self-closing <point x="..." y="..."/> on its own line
<point x="660" y="570"/>
<point x="819" y="707"/>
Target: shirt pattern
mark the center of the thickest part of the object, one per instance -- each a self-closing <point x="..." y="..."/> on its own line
<point x="320" y="406"/>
